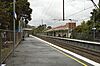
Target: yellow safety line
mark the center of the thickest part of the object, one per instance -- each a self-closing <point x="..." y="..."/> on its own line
<point x="69" y="56"/>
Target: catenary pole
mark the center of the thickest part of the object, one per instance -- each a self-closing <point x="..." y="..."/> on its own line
<point x="63" y="11"/>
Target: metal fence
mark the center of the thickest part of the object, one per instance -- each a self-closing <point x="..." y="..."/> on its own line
<point x="87" y="36"/>
<point x="6" y="43"/>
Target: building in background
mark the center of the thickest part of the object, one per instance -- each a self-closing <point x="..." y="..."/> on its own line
<point x="63" y="30"/>
<point x="71" y="25"/>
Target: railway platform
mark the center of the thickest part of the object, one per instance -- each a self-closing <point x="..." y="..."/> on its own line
<point x="34" y="52"/>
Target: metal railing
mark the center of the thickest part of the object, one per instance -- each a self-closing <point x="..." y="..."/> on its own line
<point x="6" y="43"/>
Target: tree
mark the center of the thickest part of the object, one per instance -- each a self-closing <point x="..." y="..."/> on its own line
<point x="6" y="12"/>
<point x="85" y="29"/>
<point x="49" y="27"/>
<point x="4" y="15"/>
<point x="95" y="18"/>
<point x="40" y="29"/>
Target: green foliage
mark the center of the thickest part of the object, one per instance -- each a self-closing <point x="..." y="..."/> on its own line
<point x="85" y="31"/>
<point x="96" y="15"/>
<point x="6" y="12"/>
<point x="49" y="27"/>
<point x="82" y="28"/>
<point x="40" y="29"/>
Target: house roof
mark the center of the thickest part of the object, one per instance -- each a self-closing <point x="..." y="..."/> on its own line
<point x="62" y="27"/>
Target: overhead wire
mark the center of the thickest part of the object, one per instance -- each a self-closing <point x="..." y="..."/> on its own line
<point x="84" y="18"/>
<point x="49" y="6"/>
<point x="44" y="9"/>
<point x="69" y="3"/>
<point x="51" y="3"/>
<point x="79" y="11"/>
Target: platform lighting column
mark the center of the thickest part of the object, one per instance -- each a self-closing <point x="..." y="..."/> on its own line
<point x="14" y="26"/>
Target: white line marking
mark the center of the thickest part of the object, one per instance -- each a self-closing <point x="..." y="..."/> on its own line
<point x="71" y="53"/>
<point x="3" y="64"/>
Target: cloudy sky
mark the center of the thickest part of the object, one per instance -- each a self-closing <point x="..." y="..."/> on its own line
<point x="44" y="11"/>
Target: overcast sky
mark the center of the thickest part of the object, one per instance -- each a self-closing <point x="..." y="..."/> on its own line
<point x="52" y="9"/>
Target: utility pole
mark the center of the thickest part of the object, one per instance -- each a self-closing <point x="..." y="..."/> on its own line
<point x="42" y="21"/>
<point x="63" y="14"/>
<point x="63" y="10"/>
<point x="99" y="3"/>
<point x="94" y="4"/>
<point x="14" y="26"/>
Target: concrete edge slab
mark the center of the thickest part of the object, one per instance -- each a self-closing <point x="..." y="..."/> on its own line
<point x="71" y="53"/>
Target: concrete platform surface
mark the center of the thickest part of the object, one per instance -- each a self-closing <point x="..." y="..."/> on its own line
<point x="33" y="52"/>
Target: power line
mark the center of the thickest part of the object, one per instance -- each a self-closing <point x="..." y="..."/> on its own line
<point x="70" y="3"/>
<point x="79" y="12"/>
<point x="49" y="6"/>
<point x="44" y="9"/>
<point x="85" y="18"/>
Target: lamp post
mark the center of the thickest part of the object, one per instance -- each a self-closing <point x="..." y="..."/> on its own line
<point x="14" y="26"/>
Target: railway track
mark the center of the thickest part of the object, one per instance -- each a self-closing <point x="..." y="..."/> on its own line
<point x="93" y="55"/>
